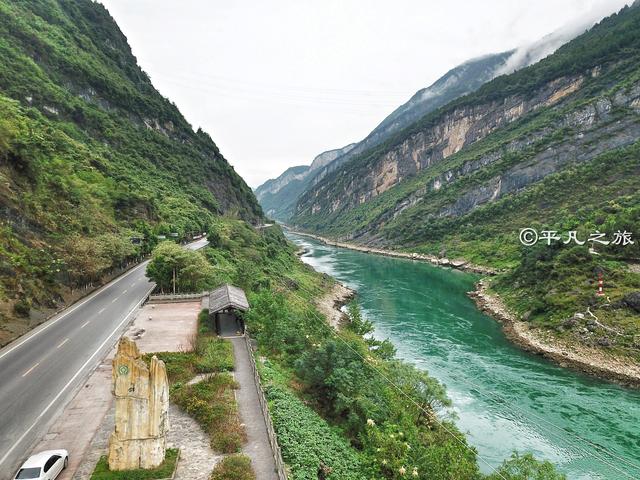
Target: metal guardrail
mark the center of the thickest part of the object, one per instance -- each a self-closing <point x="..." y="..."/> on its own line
<point x="168" y="297"/>
<point x="273" y="440"/>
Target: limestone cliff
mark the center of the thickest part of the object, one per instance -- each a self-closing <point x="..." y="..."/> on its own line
<point x="568" y="102"/>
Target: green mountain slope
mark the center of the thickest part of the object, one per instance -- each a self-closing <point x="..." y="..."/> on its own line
<point x="553" y="146"/>
<point x="91" y="155"/>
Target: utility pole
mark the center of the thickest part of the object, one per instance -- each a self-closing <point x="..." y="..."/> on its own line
<point x="174" y="280"/>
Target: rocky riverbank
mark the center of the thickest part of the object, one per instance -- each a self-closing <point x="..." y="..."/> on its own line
<point x="591" y="361"/>
<point x="457" y="263"/>
<point x="330" y="305"/>
<point x="585" y="359"/>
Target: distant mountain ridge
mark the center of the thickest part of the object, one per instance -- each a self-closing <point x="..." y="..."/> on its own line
<point x="457" y="82"/>
<point x="278" y="196"/>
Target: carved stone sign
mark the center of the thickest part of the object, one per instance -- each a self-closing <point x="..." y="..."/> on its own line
<point x="142" y="409"/>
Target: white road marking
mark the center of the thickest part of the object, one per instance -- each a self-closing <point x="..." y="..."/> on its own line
<point x="63" y="342"/>
<point x="100" y="311"/>
<point x="53" y="321"/>
<point x="124" y="291"/>
<point x="30" y="370"/>
<point x="61" y="392"/>
<point x="85" y="323"/>
<point x="71" y="309"/>
<point x="114" y="300"/>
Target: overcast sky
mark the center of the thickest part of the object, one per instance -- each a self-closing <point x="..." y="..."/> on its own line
<point x="276" y="82"/>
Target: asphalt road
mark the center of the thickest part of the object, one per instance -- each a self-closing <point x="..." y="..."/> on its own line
<point x="40" y="372"/>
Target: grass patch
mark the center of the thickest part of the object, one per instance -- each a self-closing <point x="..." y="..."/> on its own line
<point x="165" y="470"/>
<point x="212" y="403"/>
<point x="213" y="355"/>
<point x="234" y="467"/>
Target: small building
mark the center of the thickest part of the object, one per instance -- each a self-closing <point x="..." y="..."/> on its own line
<point x="225" y="303"/>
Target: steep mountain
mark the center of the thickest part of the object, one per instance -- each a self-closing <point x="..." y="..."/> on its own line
<point x="553" y="146"/>
<point x="94" y="162"/>
<point x="463" y="79"/>
<point x="278" y="196"/>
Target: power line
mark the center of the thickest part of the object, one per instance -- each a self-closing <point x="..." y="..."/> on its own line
<point x="580" y="449"/>
<point x="285" y="87"/>
<point x="284" y="98"/>
<point x="333" y="332"/>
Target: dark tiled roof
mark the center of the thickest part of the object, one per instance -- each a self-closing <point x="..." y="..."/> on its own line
<point x="227" y="296"/>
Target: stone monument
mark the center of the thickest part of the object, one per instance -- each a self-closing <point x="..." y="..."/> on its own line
<point x="142" y="410"/>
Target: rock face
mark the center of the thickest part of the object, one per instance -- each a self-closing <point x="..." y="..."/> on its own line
<point x="427" y="148"/>
<point x="499" y="143"/>
<point x="142" y="406"/>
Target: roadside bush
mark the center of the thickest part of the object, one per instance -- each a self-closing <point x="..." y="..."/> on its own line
<point x="212" y="403"/>
<point x="191" y="270"/>
<point x="234" y="467"/>
<point x="22" y="308"/>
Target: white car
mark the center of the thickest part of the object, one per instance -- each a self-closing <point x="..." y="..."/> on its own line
<point x="45" y="465"/>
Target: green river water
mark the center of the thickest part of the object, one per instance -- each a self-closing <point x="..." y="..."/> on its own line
<point x="505" y="399"/>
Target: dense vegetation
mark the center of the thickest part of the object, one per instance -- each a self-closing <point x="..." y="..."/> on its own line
<point x="175" y="268"/>
<point x="443" y="210"/>
<point x="94" y="162"/>
<point x="343" y="406"/>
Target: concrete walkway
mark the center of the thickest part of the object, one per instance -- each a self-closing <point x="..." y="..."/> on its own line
<point x="257" y="447"/>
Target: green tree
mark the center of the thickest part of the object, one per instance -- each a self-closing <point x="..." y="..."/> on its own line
<point x="189" y="269"/>
<point x="526" y="467"/>
<point x="357" y="323"/>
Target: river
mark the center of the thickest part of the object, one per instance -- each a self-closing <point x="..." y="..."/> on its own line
<point x="505" y="399"/>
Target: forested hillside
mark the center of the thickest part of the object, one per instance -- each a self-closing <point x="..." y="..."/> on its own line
<point x="94" y="162"/>
<point x="553" y="146"/>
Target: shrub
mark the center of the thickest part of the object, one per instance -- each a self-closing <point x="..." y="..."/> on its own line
<point x="526" y="467"/>
<point x="212" y="403"/>
<point x="234" y="467"/>
<point x="22" y="308"/>
<point x="213" y="355"/>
